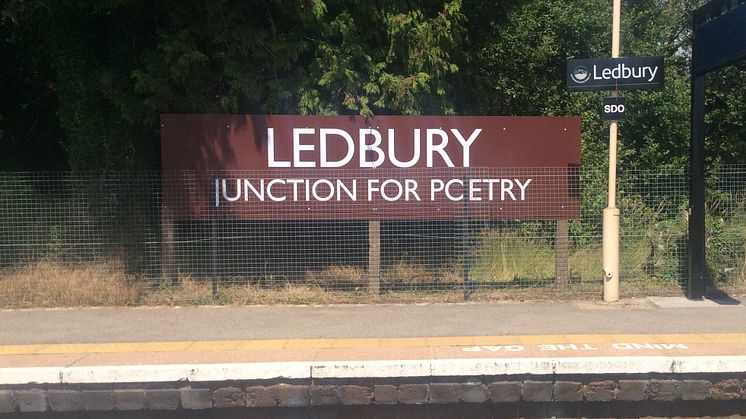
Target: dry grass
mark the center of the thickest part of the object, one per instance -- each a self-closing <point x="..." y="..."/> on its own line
<point x="400" y="275"/>
<point x="417" y="276"/>
<point x="292" y="294"/>
<point x="337" y="277"/>
<point x="187" y="290"/>
<point x="406" y="273"/>
<point x="47" y="284"/>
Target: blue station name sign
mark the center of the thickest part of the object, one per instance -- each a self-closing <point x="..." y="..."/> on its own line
<point x="624" y="73"/>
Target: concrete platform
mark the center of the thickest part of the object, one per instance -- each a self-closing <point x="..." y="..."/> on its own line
<point x="696" y="352"/>
<point x="200" y="361"/>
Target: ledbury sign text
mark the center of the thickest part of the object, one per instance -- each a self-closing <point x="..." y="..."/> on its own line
<point x="624" y="73"/>
<point x="272" y="167"/>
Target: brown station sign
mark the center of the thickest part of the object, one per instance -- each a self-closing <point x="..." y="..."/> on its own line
<point x="271" y="167"/>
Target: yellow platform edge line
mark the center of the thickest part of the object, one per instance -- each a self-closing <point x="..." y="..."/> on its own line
<point x="276" y="344"/>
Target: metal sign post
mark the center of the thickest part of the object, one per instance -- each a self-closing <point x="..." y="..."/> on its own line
<point x="611" y="212"/>
<point x="615" y="73"/>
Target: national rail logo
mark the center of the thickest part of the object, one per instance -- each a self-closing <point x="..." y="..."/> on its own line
<point x="580" y="74"/>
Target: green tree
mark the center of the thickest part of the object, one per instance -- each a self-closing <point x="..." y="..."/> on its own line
<point x="30" y="134"/>
<point x="725" y="119"/>
<point x="86" y="80"/>
<point x="302" y="57"/>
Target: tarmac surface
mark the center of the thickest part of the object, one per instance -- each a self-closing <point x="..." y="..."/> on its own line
<point x="193" y="323"/>
<point x="97" y="345"/>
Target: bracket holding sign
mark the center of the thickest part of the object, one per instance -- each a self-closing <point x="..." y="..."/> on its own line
<point x="614" y="108"/>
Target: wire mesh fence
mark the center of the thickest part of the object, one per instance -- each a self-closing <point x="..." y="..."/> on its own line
<point x="726" y="228"/>
<point x="138" y="238"/>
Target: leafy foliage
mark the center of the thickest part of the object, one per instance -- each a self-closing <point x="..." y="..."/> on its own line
<point x="84" y="81"/>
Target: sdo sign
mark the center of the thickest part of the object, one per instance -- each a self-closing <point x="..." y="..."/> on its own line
<point x="626" y="73"/>
<point x="614" y="108"/>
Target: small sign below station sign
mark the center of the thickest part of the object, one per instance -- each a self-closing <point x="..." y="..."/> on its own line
<point x="613" y="108"/>
<point x="625" y="73"/>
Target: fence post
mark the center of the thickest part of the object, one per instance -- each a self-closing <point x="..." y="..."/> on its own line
<point x="561" y="254"/>
<point x="168" y="264"/>
<point x="214" y="250"/>
<point x="466" y="248"/>
<point x="374" y="256"/>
